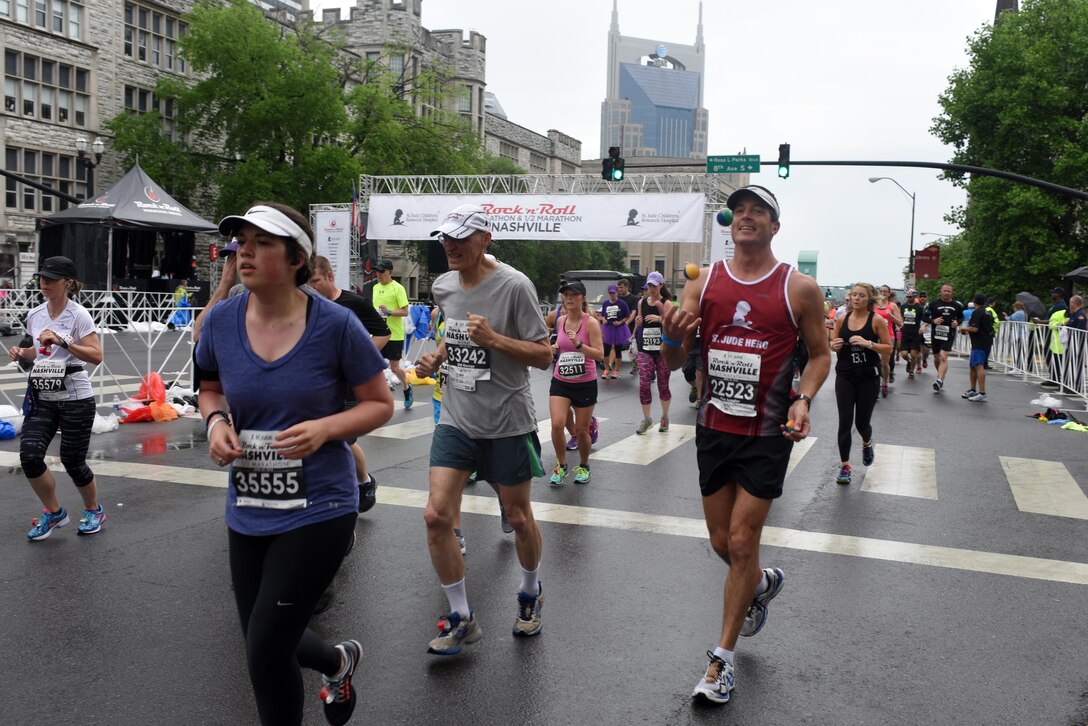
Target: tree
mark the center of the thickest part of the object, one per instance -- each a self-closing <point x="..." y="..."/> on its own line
<point x="1020" y="106"/>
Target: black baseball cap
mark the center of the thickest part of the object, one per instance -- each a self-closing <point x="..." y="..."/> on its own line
<point x="575" y="285"/>
<point x="384" y="265"/>
<point x="57" y="268"/>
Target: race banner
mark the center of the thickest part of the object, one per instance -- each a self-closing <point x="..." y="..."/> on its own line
<point x="721" y="243"/>
<point x="333" y="231"/>
<point x="574" y="217"/>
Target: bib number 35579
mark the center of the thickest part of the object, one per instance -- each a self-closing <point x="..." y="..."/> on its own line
<point x="263" y="478"/>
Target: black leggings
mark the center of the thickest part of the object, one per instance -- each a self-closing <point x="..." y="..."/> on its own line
<point x="75" y="419"/>
<point x="855" y="396"/>
<point x="277" y="582"/>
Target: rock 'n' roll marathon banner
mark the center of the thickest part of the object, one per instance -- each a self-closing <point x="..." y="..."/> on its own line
<point x="587" y="217"/>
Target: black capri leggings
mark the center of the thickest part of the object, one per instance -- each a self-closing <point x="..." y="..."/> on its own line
<point x="277" y="582"/>
<point x="75" y="419"/>
<point x="856" y="399"/>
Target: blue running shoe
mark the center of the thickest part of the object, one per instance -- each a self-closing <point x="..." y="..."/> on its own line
<point x="91" y="521"/>
<point x="844" y="475"/>
<point x="559" y="473"/>
<point x="453" y="632"/>
<point x="409" y="398"/>
<point x="528" y="622"/>
<point x="44" y="525"/>
<point x="757" y="612"/>
<point x="717" y="683"/>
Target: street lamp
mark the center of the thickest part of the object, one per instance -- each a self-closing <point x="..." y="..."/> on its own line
<point x="910" y="258"/>
<point x="81" y="151"/>
<point x="935" y="234"/>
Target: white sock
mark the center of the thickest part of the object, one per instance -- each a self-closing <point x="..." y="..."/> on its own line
<point x="726" y="655"/>
<point x="764" y="583"/>
<point x="366" y="481"/>
<point x="530" y="581"/>
<point x="457" y="598"/>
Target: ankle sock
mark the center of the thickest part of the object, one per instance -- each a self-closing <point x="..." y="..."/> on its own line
<point x="726" y="655"/>
<point x="764" y="583"/>
<point x="530" y="582"/>
<point x="457" y="597"/>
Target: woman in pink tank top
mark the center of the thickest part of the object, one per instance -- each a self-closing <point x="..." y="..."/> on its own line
<point x="578" y="347"/>
<point x="888" y="309"/>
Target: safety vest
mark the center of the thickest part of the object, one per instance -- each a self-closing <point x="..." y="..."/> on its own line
<point x="1057" y="320"/>
<point x="997" y="320"/>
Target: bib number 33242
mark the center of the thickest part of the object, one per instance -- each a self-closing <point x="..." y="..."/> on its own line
<point x="263" y="478"/>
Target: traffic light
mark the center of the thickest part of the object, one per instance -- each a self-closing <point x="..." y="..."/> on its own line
<point x="612" y="165"/>
<point x="783" y="161"/>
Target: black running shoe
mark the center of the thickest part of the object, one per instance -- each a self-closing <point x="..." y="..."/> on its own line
<point x="368" y="495"/>
<point x="337" y="695"/>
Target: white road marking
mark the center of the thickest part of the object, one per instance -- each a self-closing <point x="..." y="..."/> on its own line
<point x="647" y="448"/>
<point x="407" y="430"/>
<point x="870" y="548"/>
<point x="905" y="471"/>
<point x="800" y="448"/>
<point x="1044" y="487"/>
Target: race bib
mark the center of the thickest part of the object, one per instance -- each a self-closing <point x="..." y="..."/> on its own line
<point x="572" y="364"/>
<point x="47" y="378"/>
<point x="734" y="381"/>
<point x="468" y="363"/>
<point x="263" y="478"/>
<point x="611" y="313"/>
<point x="651" y="339"/>
<point x="940" y="332"/>
<point x="909" y="316"/>
<point x="928" y="336"/>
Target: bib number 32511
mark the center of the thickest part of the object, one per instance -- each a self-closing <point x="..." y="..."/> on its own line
<point x="263" y="478"/>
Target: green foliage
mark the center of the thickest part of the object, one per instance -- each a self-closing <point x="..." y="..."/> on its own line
<point x="1020" y="106"/>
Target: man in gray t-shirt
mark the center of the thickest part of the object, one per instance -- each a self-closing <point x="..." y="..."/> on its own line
<point x="494" y="331"/>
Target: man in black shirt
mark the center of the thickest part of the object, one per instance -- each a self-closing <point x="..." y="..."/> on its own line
<point x="944" y="316"/>
<point x="911" y="346"/>
<point x="324" y="282"/>
<point x="981" y="330"/>
<point x="631" y="299"/>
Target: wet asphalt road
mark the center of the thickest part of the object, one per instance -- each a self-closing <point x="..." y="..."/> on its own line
<point x="136" y="625"/>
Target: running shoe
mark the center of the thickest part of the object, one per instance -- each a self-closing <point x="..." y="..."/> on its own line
<point x="977" y="398"/>
<point x="91" y="521"/>
<point x="644" y="426"/>
<point x="664" y="424"/>
<point x="503" y="521"/>
<point x="559" y="473"/>
<point x="717" y="683"/>
<point x="693" y="395"/>
<point x="968" y="393"/>
<point x="868" y="454"/>
<point x="883" y="390"/>
<point x="594" y="430"/>
<point x="695" y="404"/>
<point x="925" y="363"/>
<point x="615" y="375"/>
<point x="368" y="495"/>
<point x="757" y="611"/>
<point x="910" y="375"/>
<point x="844" y="475"/>
<point x="44" y="525"/>
<point x="460" y="539"/>
<point x="938" y="385"/>
<point x="453" y="632"/>
<point x="528" y="622"/>
<point x="409" y="398"/>
<point x="337" y="695"/>
<point x="605" y="374"/>
<point x="634" y="369"/>
<point x="581" y="475"/>
<point x="572" y="444"/>
<point x="471" y="478"/>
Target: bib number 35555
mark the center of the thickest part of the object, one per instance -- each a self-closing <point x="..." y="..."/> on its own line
<point x="263" y="478"/>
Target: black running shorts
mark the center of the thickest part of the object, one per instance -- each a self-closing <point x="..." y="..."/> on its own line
<point x="757" y="463"/>
<point x="581" y="395"/>
<point x="911" y="342"/>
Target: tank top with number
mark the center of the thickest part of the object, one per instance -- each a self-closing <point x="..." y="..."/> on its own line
<point x="649" y="335"/>
<point x="572" y="365"/>
<point x="749" y="335"/>
<point x="858" y="361"/>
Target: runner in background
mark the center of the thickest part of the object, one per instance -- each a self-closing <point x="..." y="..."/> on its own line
<point x="911" y="346"/>
<point x="650" y="363"/>
<point x="613" y="318"/>
<point x="888" y="309"/>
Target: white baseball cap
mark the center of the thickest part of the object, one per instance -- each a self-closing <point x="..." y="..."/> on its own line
<point x="463" y="221"/>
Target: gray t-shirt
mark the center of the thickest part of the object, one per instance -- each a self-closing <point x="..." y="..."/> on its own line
<point x="485" y="394"/>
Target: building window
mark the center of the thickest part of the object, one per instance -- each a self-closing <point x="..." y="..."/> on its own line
<point x="58" y="171"/>
<point x="538" y="163"/>
<point x="45" y="89"/>
<point x="63" y="17"/>
<point x="464" y="101"/>
<point x="635" y="264"/>
<point x="140" y="101"/>
<point x="508" y="150"/>
<point x="659" y="265"/>
<point x="569" y="168"/>
<point x="151" y="37"/>
<point x="396" y="64"/>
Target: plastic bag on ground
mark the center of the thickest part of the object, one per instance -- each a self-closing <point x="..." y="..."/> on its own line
<point x="162" y="411"/>
<point x="13" y="416"/>
<point x="152" y="388"/>
<point x="137" y="415"/>
<point x="102" y="424"/>
<point x="7" y="431"/>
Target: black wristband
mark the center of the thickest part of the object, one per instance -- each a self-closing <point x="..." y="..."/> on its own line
<point x="807" y="399"/>
<point x="218" y="411"/>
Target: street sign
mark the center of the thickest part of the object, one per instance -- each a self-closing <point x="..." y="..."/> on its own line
<point x="732" y="164"/>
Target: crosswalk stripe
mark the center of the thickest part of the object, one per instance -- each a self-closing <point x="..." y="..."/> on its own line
<point x="905" y="471"/>
<point x="866" y="547"/>
<point x="800" y="448"/>
<point x="424" y="426"/>
<point x="647" y="448"/>
<point x="1044" y="487"/>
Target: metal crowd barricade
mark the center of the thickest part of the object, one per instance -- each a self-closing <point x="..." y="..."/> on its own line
<point x="1024" y="349"/>
<point x="130" y="323"/>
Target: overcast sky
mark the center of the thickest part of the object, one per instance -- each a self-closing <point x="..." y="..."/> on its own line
<point x="850" y="80"/>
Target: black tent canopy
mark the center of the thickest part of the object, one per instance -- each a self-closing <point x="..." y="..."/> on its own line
<point x="112" y="236"/>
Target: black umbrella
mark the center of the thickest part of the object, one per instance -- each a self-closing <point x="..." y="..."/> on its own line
<point x="1033" y="306"/>
<point x="1079" y="276"/>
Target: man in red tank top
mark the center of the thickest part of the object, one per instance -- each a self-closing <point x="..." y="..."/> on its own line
<point x="752" y="311"/>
